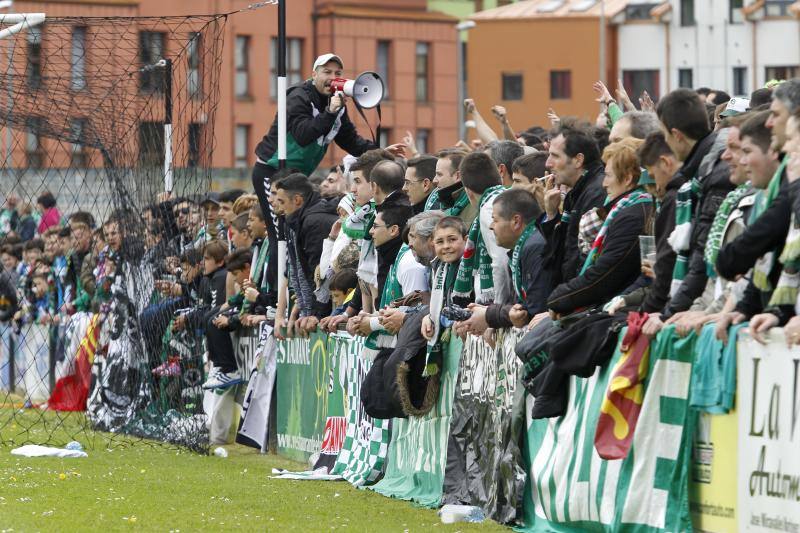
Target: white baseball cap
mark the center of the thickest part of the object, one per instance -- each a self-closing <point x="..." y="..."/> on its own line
<point x="327" y="58"/>
<point x="735" y="106"/>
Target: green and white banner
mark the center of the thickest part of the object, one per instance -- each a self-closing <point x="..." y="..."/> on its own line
<point x="366" y="443"/>
<point x="570" y="488"/>
<point x="418" y="451"/>
<point x="302" y="395"/>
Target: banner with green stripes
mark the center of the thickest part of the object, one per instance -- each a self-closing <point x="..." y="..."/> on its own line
<point x="418" y="450"/>
<point x="570" y="488"/>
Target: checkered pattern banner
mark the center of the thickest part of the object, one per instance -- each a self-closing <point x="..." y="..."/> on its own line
<point x="362" y="458"/>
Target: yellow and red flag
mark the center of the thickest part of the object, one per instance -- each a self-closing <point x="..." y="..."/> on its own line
<point x="625" y="394"/>
<point x="71" y="392"/>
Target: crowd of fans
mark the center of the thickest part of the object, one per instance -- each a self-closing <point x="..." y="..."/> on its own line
<point x="683" y="209"/>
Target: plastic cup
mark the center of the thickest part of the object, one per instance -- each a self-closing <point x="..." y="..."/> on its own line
<point x="647" y="250"/>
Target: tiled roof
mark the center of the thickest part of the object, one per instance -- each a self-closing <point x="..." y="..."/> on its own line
<point x="536" y="9"/>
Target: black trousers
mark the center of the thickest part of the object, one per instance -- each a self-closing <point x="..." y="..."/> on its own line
<point x="262" y="176"/>
<point x="220" y="347"/>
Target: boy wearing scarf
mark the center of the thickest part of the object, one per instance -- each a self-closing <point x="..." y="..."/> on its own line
<point x="449" y="241"/>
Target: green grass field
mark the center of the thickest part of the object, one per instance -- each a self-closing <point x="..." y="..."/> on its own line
<point x="137" y="486"/>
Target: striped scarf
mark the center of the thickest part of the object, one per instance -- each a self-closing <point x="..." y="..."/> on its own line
<point x="476" y="257"/>
<point x="635" y="197"/>
<point x="717" y="231"/>
<point x="764" y="199"/>
<point x="392" y="290"/>
<point x="357" y="227"/>
<point x="788" y="286"/>
<point x="681" y="237"/>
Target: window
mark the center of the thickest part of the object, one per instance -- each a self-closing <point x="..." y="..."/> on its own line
<point x="33" y="142"/>
<point x="383" y="64"/>
<point x="79" y="155"/>
<point x="194" y="141"/>
<point x="685" y="78"/>
<point x="242" y="62"/>
<point x="34" y="65"/>
<point x="241" y="142"/>
<point x="421" y="69"/>
<point x="194" y="84"/>
<point x="294" y="66"/>
<point x="736" y="15"/>
<point x="636" y="81"/>
<point x="639" y="11"/>
<point x="687" y="13"/>
<point x="777" y="8"/>
<point x="151" y="51"/>
<point x="512" y="86"/>
<point x="740" y="81"/>
<point x="560" y="84"/>
<point x="78" y="58"/>
<point x="151" y="144"/>
<point x="782" y="73"/>
<point x="423" y="140"/>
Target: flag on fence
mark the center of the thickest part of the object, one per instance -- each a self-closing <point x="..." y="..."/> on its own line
<point x="625" y="394"/>
<point x="71" y="391"/>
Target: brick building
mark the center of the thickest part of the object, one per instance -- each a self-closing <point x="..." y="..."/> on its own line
<point x="413" y="48"/>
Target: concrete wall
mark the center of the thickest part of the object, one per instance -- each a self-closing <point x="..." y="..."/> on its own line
<point x="711" y="48"/>
<point x="534" y="48"/>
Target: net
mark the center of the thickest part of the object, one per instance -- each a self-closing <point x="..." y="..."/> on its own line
<point x="85" y="337"/>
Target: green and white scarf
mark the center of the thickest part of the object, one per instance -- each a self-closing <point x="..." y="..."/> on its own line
<point x="357" y="227"/>
<point x="717" y="231"/>
<point x="461" y="202"/>
<point x="764" y="199"/>
<point x="392" y="290"/>
<point x="681" y="237"/>
<point x="476" y="257"/>
<point x="516" y="257"/>
<point x="432" y="201"/>
<point x="788" y="286"/>
<point x="443" y="280"/>
<point x="635" y="197"/>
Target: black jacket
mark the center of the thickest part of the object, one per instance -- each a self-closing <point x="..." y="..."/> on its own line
<point x="716" y="184"/>
<point x="617" y="266"/>
<point x="311" y="225"/>
<point x="535" y="279"/>
<point x="564" y="258"/>
<point x="304" y="128"/>
<point x="657" y="295"/>
<point x="212" y="296"/>
<point x="387" y="253"/>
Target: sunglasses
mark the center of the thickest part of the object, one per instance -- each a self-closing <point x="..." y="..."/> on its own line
<point x="183" y="211"/>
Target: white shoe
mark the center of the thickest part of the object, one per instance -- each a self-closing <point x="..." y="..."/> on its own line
<point x="221" y="380"/>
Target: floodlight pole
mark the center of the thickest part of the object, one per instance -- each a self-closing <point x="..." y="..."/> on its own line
<point x="282" y="247"/>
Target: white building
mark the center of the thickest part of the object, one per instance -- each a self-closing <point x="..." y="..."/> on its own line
<point x="734" y="45"/>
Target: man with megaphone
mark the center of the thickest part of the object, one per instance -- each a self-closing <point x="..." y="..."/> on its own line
<point x="316" y="116"/>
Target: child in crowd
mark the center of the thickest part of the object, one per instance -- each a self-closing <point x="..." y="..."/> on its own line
<point x="449" y="240"/>
<point x="37" y="305"/>
<point x="240" y="234"/>
<point x="342" y="286"/>
<point x="192" y="265"/>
